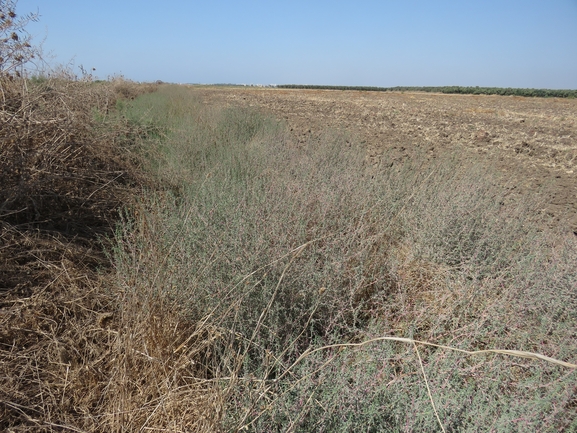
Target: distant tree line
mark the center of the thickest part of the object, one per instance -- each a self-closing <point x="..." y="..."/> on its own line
<point x="504" y="91"/>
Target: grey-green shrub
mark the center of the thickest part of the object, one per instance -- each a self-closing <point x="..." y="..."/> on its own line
<point x="284" y="247"/>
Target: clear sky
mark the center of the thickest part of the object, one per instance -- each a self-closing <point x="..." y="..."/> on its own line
<point x="502" y="43"/>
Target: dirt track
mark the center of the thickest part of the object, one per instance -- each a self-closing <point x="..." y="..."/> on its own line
<point x="532" y="140"/>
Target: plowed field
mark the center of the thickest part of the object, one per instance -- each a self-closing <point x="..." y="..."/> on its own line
<point x="532" y="140"/>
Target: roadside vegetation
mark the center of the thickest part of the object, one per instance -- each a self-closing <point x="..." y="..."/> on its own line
<point x="462" y="90"/>
<point x="171" y="265"/>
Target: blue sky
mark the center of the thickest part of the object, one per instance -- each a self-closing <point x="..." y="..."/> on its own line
<point x="503" y="43"/>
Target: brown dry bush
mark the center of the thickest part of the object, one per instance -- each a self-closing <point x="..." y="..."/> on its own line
<point x="76" y="355"/>
<point x="129" y="89"/>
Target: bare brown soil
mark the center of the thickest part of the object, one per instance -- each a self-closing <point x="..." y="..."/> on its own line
<point x="533" y="141"/>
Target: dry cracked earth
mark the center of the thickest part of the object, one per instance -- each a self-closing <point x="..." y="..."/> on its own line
<point x="533" y="141"/>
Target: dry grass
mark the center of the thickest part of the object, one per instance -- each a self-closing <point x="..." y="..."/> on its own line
<point x="78" y="352"/>
<point x="244" y="285"/>
<point x="69" y="354"/>
<point x="76" y="357"/>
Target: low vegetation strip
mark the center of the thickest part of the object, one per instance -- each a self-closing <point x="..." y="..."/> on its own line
<point x="253" y="281"/>
<point x="463" y="90"/>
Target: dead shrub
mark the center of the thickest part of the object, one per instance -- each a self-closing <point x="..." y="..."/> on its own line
<point x="127" y="89"/>
<point x="75" y="355"/>
<point x="66" y="166"/>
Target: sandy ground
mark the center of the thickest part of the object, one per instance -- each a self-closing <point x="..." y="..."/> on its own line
<point x="532" y="140"/>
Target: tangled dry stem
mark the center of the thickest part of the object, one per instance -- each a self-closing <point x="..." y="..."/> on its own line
<point x="72" y="358"/>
